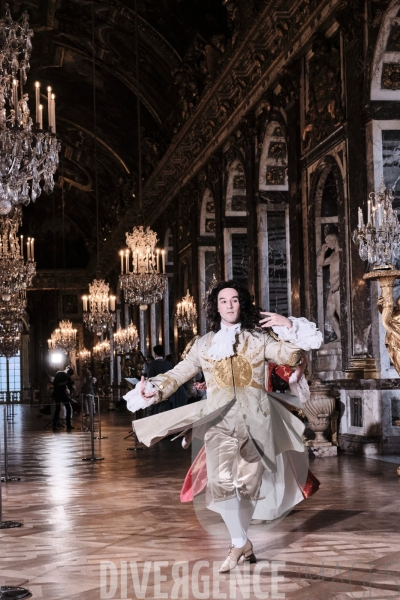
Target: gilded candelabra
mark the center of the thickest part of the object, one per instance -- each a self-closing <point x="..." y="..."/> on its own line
<point x="379" y="243"/>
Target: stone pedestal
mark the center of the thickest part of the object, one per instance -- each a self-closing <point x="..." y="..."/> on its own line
<point x="319" y="410"/>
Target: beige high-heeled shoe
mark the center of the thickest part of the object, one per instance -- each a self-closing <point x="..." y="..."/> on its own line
<point x="237" y="555"/>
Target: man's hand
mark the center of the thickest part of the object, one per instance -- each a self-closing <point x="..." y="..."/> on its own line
<point x="146" y="396"/>
<point x="274" y="319"/>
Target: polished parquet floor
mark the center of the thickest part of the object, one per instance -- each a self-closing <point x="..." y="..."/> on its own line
<point x="95" y="530"/>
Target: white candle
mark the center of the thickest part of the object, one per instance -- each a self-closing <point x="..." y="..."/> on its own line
<point x="49" y="113"/>
<point x="15" y="97"/>
<point x="127" y="261"/>
<point x="369" y="210"/>
<point x="121" y="253"/>
<point x="40" y="116"/>
<point x="32" y="249"/>
<point x="84" y="298"/>
<point x="53" y="112"/>
<point x="158" y="260"/>
<point x="22" y="246"/>
<point x="163" y="260"/>
<point x="28" y="248"/>
<point x="37" y="99"/>
<point x="112" y="302"/>
<point x="137" y="261"/>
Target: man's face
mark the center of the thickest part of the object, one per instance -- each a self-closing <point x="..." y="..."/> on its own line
<point x="228" y="306"/>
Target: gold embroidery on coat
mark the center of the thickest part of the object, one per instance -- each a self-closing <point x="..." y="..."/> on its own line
<point x="242" y="370"/>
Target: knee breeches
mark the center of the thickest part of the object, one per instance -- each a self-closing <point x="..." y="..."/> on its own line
<point x="233" y="463"/>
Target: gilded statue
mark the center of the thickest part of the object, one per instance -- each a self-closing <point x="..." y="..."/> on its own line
<point x="391" y="321"/>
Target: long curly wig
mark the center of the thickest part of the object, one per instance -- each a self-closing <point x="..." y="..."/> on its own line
<point x="249" y="313"/>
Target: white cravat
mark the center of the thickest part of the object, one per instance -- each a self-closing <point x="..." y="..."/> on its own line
<point x="223" y="342"/>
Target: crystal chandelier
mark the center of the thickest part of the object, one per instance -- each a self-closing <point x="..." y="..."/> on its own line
<point x="379" y="239"/>
<point x="145" y="283"/>
<point x="126" y="340"/>
<point x="10" y="345"/>
<point x="98" y="307"/>
<point x="28" y="153"/>
<point x="102" y="350"/>
<point x="63" y="338"/>
<point x="15" y="274"/>
<point x="10" y="337"/>
<point x="186" y="313"/>
<point x="84" y="355"/>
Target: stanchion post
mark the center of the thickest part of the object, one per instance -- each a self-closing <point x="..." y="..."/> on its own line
<point x="6" y="477"/>
<point x="82" y="426"/>
<point x="136" y="446"/>
<point x="91" y="407"/>
<point x="99" y="437"/>
<point x="5" y="524"/>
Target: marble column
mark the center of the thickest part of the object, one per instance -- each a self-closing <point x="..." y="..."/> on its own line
<point x="111" y="336"/>
<point x="358" y="303"/>
<point x="295" y="210"/>
<point x="166" y="341"/>
<point x="142" y="333"/>
<point x="251" y="176"/>
<point x="219" y="224"/>
<point x="118" y="358"/>
<point x="153" y="327"/>
<point x="262" y="238"/>
<point x="25" y="383"/>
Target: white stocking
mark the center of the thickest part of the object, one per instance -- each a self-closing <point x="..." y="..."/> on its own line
<point x="230" y="512"/>
<point x="246" y="511"/>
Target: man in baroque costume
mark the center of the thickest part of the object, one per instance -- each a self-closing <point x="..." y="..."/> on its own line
<point x="250" y="438"/>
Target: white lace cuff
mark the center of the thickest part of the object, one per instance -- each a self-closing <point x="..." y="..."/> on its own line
<point x="303" y="333"/>
<point x="300" y="388"/>
<point x="134" y="399"/>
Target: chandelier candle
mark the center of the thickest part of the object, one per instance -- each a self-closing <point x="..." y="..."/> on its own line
<point x="53" y="112"/>
<point x="49" y="112"/>
<point x="37" y="103"/>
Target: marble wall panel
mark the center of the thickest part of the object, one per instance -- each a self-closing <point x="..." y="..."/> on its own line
<point x="371" y="413"/>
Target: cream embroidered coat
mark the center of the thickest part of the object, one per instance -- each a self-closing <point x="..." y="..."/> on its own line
<point x="241" y="376"/>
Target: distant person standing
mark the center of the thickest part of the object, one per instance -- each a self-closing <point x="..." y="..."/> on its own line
<point x="87" y="390"/>
<point x="63" y="387"/>
<point x="159" y="366"/>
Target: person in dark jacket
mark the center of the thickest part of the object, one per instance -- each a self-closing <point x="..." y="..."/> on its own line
<point x="158" y="366"/>
<point x="63" y="387"/>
